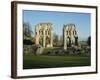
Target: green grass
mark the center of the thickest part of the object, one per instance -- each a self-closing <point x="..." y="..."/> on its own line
<point x="41" y="61"/>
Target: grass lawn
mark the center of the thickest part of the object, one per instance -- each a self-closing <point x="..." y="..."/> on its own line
<point x="31" y="61"/>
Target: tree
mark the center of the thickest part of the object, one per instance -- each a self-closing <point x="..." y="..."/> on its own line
<point x="55" y="39"/>
<point x="89" y="41"/>
<point x="61" y="41"/>
<point x="27" y="31"/>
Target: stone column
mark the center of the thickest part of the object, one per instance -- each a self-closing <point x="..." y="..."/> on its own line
<point x="65" y="38"/>
<point x="36" y="37"/>
<point x="44" y="38"/>
<point x="51" y="41"/>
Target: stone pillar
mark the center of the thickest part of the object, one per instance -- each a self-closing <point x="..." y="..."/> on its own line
<point x="65" y="39"/>
<point x="44" y="38"/>
<point x="51" y="41"/>
<point x="36" y="37"/>
<point x="37" y="40"/>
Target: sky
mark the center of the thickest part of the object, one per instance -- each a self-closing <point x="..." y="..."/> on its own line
<point x="58" y="19"/>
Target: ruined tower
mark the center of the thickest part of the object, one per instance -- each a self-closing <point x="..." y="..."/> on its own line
<point x="70" y="37"/>
<point x="43" y="35"/>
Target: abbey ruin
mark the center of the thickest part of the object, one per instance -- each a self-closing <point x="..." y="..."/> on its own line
<point x="70" y="37"/>
<point x="44" y="35"/>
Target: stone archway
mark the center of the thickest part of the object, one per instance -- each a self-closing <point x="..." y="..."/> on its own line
<point x="68" y="41"/>
<point x="76" y="41"/>
<point x="41" y="41"/>
<point x="47" y="41"/>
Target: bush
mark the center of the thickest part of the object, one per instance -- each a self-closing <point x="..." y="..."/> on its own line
<point x="30" y="49"/>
